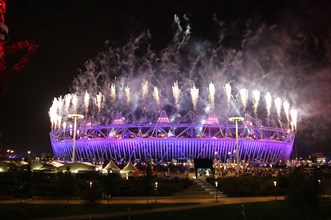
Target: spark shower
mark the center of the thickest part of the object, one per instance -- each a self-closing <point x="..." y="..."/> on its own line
<point x="128" y="92"/>
<point x="185" y="76"/>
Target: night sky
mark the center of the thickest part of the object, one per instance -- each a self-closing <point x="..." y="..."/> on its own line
<point x="69" y="32"/>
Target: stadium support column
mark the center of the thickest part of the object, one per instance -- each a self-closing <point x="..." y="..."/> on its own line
<point x="236" y="119"/>
<point x="75" y="117"/>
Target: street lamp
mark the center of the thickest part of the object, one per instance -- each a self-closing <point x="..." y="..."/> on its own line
<point x="10" y="153"/>
<point x="243" y="211"/>
<point x="75" y="117"/>
<point x="319" y="188"/>
<point x="275" y="185"/>
<point x="216" y="164"/>
<point x="29" y="153"/>
<point x="90" y="200"/>
<point x="216" y="184"/>
<point x="156" y="184"/>
<point x="236" y="119"/>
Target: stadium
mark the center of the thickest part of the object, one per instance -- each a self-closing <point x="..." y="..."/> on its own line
<point x="165" y="141"/>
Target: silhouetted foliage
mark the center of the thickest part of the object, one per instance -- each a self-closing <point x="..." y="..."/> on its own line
<point x="302" y="193"/>
<point x="247" y="186"/>
<point x="91" y="192"/>
<point x="66" y="185"/>
<point x="110" y="185"/>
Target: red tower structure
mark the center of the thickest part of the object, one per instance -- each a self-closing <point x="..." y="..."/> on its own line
<point x="9" y="70"/>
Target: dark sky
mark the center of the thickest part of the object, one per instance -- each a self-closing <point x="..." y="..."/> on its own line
<point x="68" y="32"/>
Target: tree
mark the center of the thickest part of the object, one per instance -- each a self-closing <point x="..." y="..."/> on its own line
<point x="147" y="181"/>
<point x="110" y="185"/>
<point x="66" y="185"/>
<point x="22" y="182"/>
<point x="302" y="193"/>
<point x="90" y="190"/>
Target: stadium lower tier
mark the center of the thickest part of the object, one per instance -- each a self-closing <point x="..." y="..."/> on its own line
<point x="168" y="149"/>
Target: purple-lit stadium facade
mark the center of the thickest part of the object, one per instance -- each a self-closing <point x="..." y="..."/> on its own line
<point x="166" y="141"/>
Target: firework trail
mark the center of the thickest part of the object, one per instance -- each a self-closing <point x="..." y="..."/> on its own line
<point x="156" y="95"/>
<point x="67" y="101"/>
<point x="53" y="112"/>
<point x="211" y="91"/>
<point x="98" y="101"/>
<point x="194" y="97"/>
<point x="86" y="101"/>
<point x="294" y="118"/>
<point x="268" y="103"/>
<point x="127" y="93"/>
<point x="286" y="107"/>
<point x="278" y="105"/>
<point x="59" y="120"/>
<point x="256" y="99"/>
<point x="243" y="97"/>
<point x="64" y="126"/>
<point x="74" y="101"/>
<point x="176" y="93"/>
<point x="112" y="91"/>
<point x="227" y="88"/>
<point x="144" y="90"/>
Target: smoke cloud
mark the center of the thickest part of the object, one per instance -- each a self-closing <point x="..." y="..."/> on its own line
<point x="294" y="66"/>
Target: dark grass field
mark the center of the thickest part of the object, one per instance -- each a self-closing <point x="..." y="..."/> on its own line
<point x="255" y="211"/>
<point x="35" y="211"/>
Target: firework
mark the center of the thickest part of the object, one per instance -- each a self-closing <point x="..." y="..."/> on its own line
<point x="286" y="107"/>
<point x="156" y="95"/>
<point x="243" y="97"/>
<point x="113" y="93"/>
<point x="127" y="94"/>
<point x="268" y="102"/>
<point x="176" y="93"/>
<point x="63" y="106"/>
<point x="278" y="104"/>
<point x="86" y="101"/>
<point x="144" y="89"/>
<point x="59" y="120"/>
<point x="294" y="116"/>
<point x="98" y="101"/>
<point x="256" y="100"/>
<point x="206" y="63"/>
<point x="227" y="88"/>
<point x="195" y="97"/>
<point x="74" y="101"/>
<point x="53" y="112"/>
<point x="64" y="126"/>
<point x="60" y="105"/>
<point x="67" y="100"/>
<point x="211" y="91"/>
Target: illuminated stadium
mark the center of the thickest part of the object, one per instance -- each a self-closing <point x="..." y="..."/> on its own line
<point x="131" y="103"/>
<point x="165" y="141"/>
